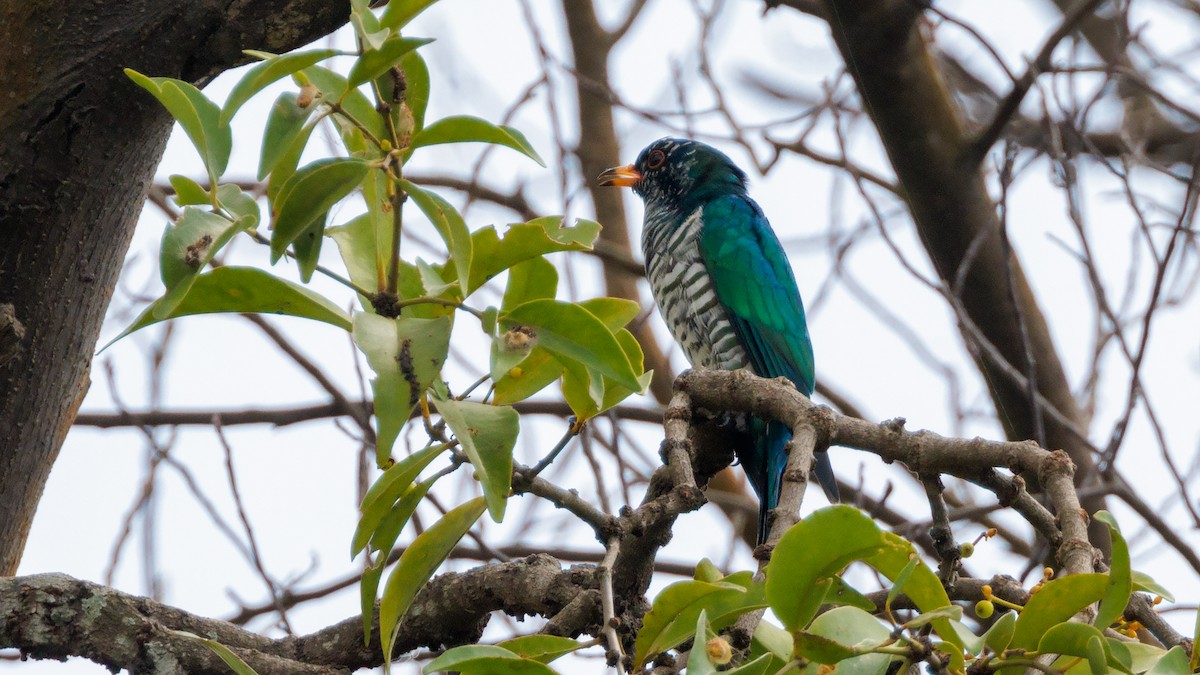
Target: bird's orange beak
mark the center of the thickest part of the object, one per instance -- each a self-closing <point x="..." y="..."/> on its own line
<point x="620" y="176"/>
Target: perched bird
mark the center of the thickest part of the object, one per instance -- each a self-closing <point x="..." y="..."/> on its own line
<point x="724" y="285"/>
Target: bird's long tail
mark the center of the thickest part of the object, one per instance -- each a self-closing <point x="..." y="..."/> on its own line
<point x="765" y="468"/>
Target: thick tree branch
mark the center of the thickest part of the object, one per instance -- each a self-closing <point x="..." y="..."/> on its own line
<point x="53" y="616"/>
<point x="923" y="452"/>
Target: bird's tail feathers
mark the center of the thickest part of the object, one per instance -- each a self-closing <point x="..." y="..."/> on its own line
<point x="765" y="468"/>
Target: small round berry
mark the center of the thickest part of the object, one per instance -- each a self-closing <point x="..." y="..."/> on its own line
<point x="719" y="651"/>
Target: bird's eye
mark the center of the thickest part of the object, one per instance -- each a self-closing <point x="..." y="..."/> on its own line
<point x="656" y="159"/>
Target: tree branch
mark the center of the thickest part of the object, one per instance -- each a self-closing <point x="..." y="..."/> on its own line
<point x="53" y="616"/>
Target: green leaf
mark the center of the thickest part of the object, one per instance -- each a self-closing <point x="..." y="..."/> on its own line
<point x="188" y="246"/>
<point x="850" y="626"/>
<point x="393" y="522"/>
<point x="1055" y="603"/>
<point x="1096" y="656"/>
<point x="285" y="123"/>
<point x="365" y="260"/>
<point x="1069" y="639"/>
<point x="843" y="594"/>
<point x="707" y="571"/>
<point x="493" y="255"/>
<point x="822" y="649"/>
<point x="199" y="117"/>
<point x="368" y="588"/>
<point x="1120" y="580"/>
<point x="923" y="587"/>
<point x="533" y="279"/>
<point x="672" y="618"/>
<point x="260" y="76"/>
<point x="400" y="12"/>
<point x="540" y="368"/>
<point x="486" y="660"/>
<point x="449" y="224"/>
<point x="284" y="167"/>
<point x="366" y="25"/>
<point x="816" y="548"/>
<point x="971" y="643"/>
<point x="188" y="192"/>
<point x="771" y="639"/>
<point x="534" y="373"/>
<point x="698" y="661"/>
<point x="418" y="563"/>
<point x="406" y="355"/>
<point x="898" y="586"/>
<point x="570" y="331"/>
<point x="952" y="612"/>
<point x="1174" y="662"/>
<point x="544" y="648"/>
<point x="999" y="636"/>
<point x="582" y="389"/>
<point x="382" y="540"/>
<point x="1120" y="658"/>
<point x="244" y="290"/>
<point x="416" y="96"/>
<point x="306" y="247"/>
<point x="613" y="312"/>
<point x="488" y="434"/>
<point x="309" y="194"/>
<point x="467" y="129"/>
<point x="1145" y="583"/>
<point x="235" y="662"/>
<point x="355" y="104"/>
<point x="1142" y="657"/>
<point x="375" y="62"/>
<point x="389" y="487"/>
<point x="241" y="204"/>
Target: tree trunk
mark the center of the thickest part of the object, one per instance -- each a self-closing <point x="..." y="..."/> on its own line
<point x="78" y="143"/>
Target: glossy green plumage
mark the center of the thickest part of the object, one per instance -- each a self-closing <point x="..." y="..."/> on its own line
<point x="726" y="289"/>
<point x="755" y="285"/>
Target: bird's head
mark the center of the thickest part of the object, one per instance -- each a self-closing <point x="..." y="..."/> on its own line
<point x="678" y="174"/>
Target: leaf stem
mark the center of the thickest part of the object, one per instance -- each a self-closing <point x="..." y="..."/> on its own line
<point x="337" y="108"/>
<point x="320" y="268"/>
<point x="398" y="199"/>
<point x="431" y="300"/>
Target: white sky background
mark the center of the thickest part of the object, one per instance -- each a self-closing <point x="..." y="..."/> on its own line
<point x="299" y="482"/>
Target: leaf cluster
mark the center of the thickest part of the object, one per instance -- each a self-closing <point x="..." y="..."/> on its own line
<point x="408" y="308"/>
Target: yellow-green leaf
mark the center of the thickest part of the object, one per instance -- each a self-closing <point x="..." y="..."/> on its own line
<point x="570" y="331"/>
<point x="487" y="434"/>
<point x="272" y="69"/>
<point x="309" y="194"/>
<point x="418" y="563"/>
<point x="374" y="62"/>
<point x="244" y="289"/>
<point x="406" y="355"/>
<point x="468" y="129"/>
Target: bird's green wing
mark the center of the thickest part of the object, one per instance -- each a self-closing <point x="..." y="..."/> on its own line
<point x="755" y="285"/>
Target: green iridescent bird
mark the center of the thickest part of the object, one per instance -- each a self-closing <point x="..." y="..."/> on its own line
<point x="724" y="285"/>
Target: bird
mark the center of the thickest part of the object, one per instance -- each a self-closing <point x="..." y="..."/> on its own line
<point x="725" y="288"/>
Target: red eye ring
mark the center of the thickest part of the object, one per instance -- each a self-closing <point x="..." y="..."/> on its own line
<point x="656" y="159"/>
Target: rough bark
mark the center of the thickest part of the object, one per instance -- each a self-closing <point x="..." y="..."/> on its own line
<point x="78" y="143"/>
<point x="52" y="616"/>
<point x="955" y="217"/>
